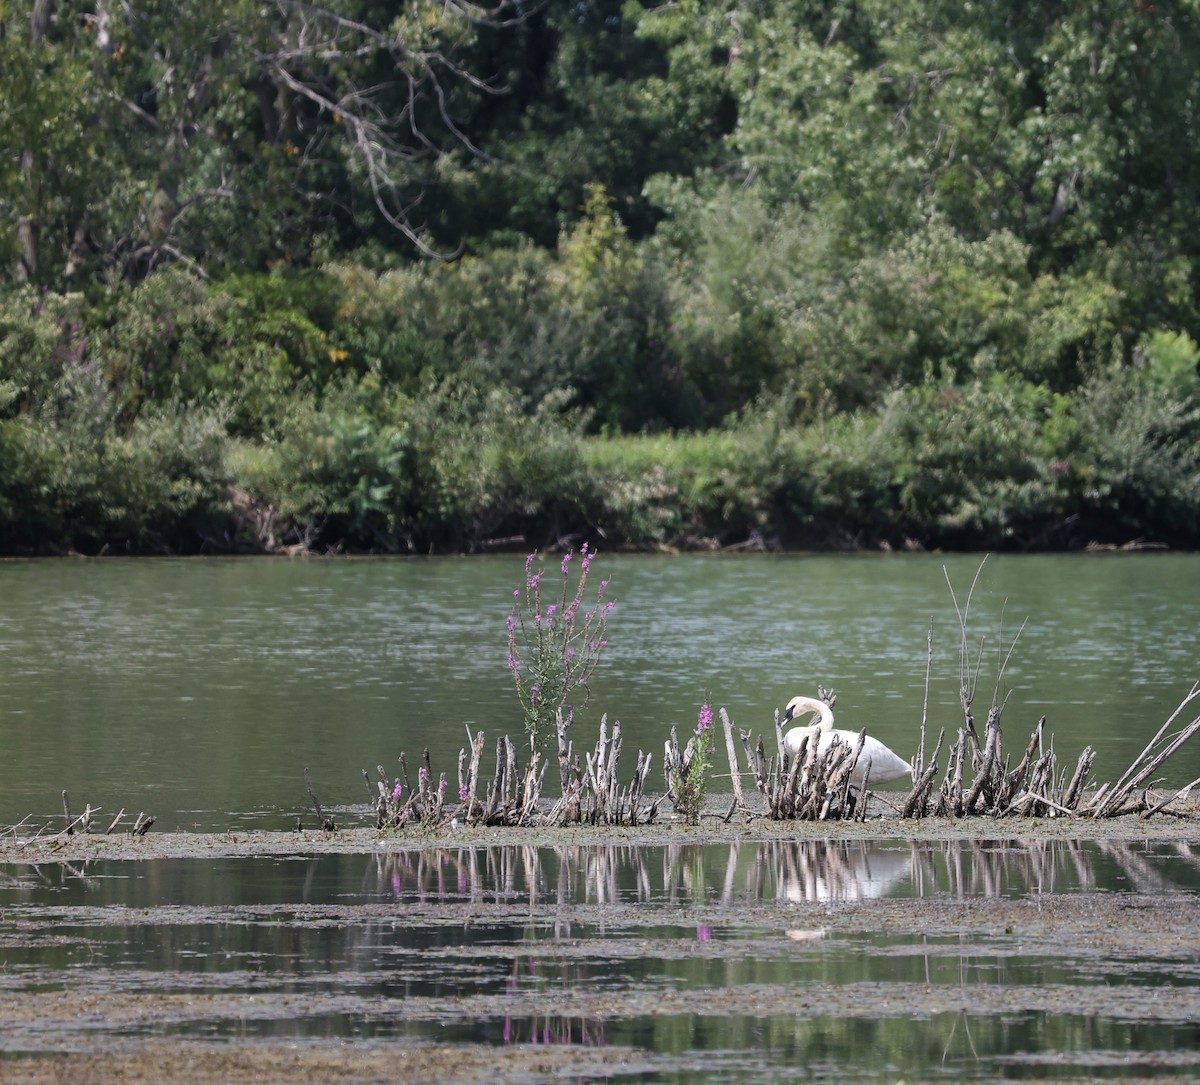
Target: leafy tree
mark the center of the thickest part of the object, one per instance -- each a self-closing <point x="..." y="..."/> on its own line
<point x="224" y="132"/>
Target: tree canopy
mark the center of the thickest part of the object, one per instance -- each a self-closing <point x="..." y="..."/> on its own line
<point x="626" y="217"/>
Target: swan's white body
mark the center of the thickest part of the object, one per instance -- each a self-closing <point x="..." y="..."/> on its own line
<point x="876" y="764"/>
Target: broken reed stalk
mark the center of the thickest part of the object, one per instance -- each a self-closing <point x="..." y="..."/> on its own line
<point x="1082" y="768"/>
<point x="919" y="760"/>
<point x="1111" y="800"/>
<point x="471" y="784"/>
<point x="591" y="792"/>
<point x="735" y="774"/>
<point x="985" y="775"/>
<point x="570" y="805"/>
<point x="809" y="786"/>
<point x="917" y="803"/>
<point x="1178" y="796"/>
<point x="325" y="823"/>
<point x="593" y="796"/>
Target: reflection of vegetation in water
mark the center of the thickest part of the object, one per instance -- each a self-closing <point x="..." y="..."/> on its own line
<point x="784" y="872"/>
<point x="531" y="973"/>
<point x="966" y="955"/>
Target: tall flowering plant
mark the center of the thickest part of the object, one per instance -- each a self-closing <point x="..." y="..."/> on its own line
<point x="555" y="638"/>
<point x="689" y="786"/>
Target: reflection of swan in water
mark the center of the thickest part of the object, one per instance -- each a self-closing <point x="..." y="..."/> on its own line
<point x="876" y="764"/>
<point x="820" y="871"/>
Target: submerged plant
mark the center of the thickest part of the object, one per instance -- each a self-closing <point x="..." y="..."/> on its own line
<point x="555" y="640"/>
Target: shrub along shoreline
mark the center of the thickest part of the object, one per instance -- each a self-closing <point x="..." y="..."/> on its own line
<point x="952" y="465"/>
<point x="456" y="409"/>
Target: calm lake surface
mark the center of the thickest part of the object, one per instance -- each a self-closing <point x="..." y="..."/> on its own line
<point x="199" y="690"/>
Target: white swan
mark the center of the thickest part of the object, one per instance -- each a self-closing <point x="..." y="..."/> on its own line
<point x="876" y="764"/>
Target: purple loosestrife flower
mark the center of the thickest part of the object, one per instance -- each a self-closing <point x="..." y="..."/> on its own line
<point x="397" y="791"/>
<point x="464" y="793"/>
<point x="705" y="720"/>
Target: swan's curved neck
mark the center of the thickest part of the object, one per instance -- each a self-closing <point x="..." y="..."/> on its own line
<point x="803" y="706"/>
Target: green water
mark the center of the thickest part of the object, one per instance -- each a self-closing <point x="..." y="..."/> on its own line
<point x="199" y="690"/>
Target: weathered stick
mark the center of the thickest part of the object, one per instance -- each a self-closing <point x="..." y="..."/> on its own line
<point x="735" y="773"/>
<point x="473" y="779"/>
<point x="1146" y="764"/>
<point x="1179" y="795"/>
<point x="991" y="754"/>
<point x="919" y="760"/>
<point x="325" y="823"/>
<point x="1075" y="787"/>
<point x="917" y="803"/>
<point x="562" y="724"/>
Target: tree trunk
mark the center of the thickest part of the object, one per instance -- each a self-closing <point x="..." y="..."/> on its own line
<point x="164" y="205"/>
<point x="26" y="269"/>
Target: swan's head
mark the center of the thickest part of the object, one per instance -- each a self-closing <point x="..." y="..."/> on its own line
<point x="802" y="706"/>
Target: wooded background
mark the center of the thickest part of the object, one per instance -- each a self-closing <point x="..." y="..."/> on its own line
<point x="430" y="275"/>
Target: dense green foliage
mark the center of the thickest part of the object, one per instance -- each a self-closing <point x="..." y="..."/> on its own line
<point x="441" y="277"/>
